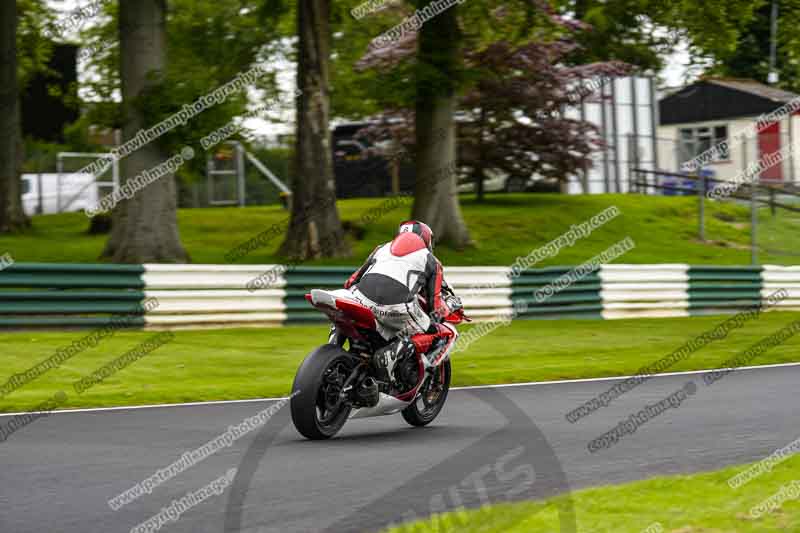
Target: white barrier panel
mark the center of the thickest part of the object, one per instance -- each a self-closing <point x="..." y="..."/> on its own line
<point x="785" y="278"/>
<point x="223" y="301"/>
<point x="464" y="277"/>
<point x="207" y="276"/>
<point x="647" y="273"/>
<point x="644" y="291"/>
<point x="226" y="319"/>
<point x="649" y="313"/>
<point x="644" y="295"/>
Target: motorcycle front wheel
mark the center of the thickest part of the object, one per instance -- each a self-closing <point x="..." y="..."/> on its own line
<point x="429" y="403"/>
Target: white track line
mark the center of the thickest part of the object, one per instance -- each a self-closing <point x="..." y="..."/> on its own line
<point x="471" y="387"/>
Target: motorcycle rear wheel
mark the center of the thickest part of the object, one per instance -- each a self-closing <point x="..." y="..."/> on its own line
<point x="429" y="404"/>
<point x="318" y="411"/>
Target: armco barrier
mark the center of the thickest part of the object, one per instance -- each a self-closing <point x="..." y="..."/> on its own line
<point x="209" y="295"/>
<point x="485" y="291"/>
<point x="57" y="295"/>
<point x="60" y="295"/>
<point x="581" y="299"/>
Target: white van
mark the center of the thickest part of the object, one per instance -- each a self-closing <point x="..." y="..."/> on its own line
<point x="78" y="191"/>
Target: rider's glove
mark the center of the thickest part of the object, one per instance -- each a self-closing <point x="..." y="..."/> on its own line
<point x="453" y="302"/>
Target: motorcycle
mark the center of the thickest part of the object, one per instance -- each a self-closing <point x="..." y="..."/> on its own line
<point x="334" y="383"/>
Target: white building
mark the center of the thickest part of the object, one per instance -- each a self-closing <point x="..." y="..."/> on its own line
<point x="625" y="113"/>
<point x="712" y="110"/>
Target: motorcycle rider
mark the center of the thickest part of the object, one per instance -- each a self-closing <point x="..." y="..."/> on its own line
<point x="389" y="282"/>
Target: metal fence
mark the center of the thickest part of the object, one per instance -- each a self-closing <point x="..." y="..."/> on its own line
<point x="760" y="218"/>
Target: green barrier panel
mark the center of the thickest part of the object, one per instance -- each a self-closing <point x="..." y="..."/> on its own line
<point x="723" y="288"/>
<point x="725" y="285"/>
<point x="726" y="303"/>
<point x="321" y="281"/>
<point x="71" y="281"/>
<point x="564" y="315"/>
<point x="594" y="312"/>
<point x="718" y="311"/>
<point x="579" y="299"/>
<point x="724" y="273"/>
<point x="525" y="281"/>
<point x="306" y="317"/>
<point x="66" y="295"/>
<point x="38" y="321"/>
<point x="301" y="280"/>
<point x="703" y="295"/>
<point x="78" y="307"/>
<point x="558" y="299"/>
<point x="577" y="288"/>
<point x="337" y="270"/>
<point x="76" y="267"/>
<point x="43" y="294"/>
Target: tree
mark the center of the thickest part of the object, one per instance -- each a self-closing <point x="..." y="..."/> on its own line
<point x="438" y="75"/>
<point x="514" y="117"/>
<point x="620" y="30"/>
<point x="750" y="58"/>
<point x="145" y="227"/>
<point x="644" y="32"/>
<point x="314" y="227"/>
<point x="513" y="88"/>
<point x="12" y="217"/>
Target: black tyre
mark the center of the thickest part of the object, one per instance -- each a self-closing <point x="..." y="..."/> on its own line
<point x="317" y="409"/>
<point x="429" y="404"/>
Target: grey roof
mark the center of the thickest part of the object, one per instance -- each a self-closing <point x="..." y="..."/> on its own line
<point x="754" y="87"/>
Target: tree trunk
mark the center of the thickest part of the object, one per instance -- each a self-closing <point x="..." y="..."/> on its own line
<point x="145" y="227"/>
<point x="479" y="176"/>
<point x="435" y="194"/>
<point x="12" y="217"/>
<point x="314" y="229"/>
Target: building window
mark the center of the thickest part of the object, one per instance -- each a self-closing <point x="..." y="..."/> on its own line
<point x="695" y="141"/>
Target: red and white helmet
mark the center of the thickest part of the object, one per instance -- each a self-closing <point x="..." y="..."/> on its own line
<point x="420" y="228"/>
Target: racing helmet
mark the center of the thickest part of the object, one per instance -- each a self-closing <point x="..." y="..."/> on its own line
<point x="420" y="228"/>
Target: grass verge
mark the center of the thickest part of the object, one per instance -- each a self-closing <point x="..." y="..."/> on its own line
<point x="697" y="503"/>
<point x="250" y="363"/>
<point x="503" y="227"/>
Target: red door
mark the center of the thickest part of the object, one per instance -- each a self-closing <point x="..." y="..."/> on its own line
<point x="769" y="142"/>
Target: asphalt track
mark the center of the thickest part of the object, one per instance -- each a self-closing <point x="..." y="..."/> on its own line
<point x="488" y="445"/>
